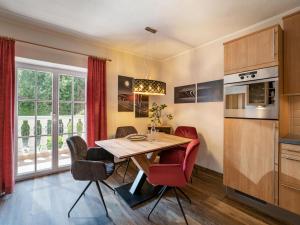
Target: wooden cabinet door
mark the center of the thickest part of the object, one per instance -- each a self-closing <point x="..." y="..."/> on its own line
<point x="262" y="47"/>
<point x="235" y="55"/>
<point x="292" y="54"/>
<point x="249" y="157"/>
<point x="289" y="198"/>
<point x="254" y="51"/>
<point x="289" y="189"/>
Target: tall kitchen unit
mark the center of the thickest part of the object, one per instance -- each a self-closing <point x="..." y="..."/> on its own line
<point x="253" y="107"/>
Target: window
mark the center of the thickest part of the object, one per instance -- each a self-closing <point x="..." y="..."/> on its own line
<point x="51" y="106"/>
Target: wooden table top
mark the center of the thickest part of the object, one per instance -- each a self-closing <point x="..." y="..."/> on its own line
<point x="124" y="148"/>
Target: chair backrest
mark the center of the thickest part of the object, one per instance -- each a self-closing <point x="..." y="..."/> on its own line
<point x="78" y="148"/>
<point x="187" y="132"/>
<point x="125" y="131"/>
<point x="190" y="158"/>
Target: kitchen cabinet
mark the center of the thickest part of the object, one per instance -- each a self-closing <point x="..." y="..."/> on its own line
<point x="289" y="178"/>
<point x="291" y="82"/>
<point x="257" y="50"/>
<point x="250" y="148"/>
<point x="233" y="52"/>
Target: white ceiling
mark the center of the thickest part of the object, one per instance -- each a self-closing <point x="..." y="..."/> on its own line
<point x="181" y="24"/>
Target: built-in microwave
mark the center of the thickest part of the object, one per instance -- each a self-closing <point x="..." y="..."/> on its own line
<point x="252" y="94"/>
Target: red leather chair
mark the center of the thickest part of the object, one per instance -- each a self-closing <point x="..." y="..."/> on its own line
<point x="174" y="175"/>
<point x="177" y="153"/>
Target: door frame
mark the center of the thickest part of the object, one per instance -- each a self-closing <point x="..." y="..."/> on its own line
<point x="56" y="70"/>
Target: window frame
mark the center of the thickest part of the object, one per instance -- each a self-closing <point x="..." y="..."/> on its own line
<point x="56" y="72"/>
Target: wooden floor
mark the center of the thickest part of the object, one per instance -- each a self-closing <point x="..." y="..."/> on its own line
<point x="46" y="201"/>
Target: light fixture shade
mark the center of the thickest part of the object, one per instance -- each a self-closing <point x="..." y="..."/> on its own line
<point x="149" y="87"/>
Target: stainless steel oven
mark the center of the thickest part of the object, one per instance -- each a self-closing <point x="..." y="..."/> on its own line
<point x="252" y="94"/>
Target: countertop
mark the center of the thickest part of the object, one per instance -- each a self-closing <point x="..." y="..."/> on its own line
<point x="290" y="139"/>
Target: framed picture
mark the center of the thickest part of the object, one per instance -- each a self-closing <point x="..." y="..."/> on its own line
<point x="125" y="94"/>
<point x="141" y="106"/>
<point x="185" y="94"/>
<point x="211" y="91"/>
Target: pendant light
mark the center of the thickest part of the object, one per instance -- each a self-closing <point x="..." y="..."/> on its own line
<point x="147" y="86"/>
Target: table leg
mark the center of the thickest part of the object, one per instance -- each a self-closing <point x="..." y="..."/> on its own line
<point x="140" y="190"/>
<point x="138" y="182"/>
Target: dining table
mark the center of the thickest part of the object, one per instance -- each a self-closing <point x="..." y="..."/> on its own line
<point x="143" y="153"/>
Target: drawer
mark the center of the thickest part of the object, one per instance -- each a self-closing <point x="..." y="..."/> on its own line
<point x="291" y="148"/>
<point x="290" y="170"/>
<point x="289" y="198"/>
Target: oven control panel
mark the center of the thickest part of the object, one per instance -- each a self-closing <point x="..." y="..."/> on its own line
<point x="248" y="75"/>
<point x="265" y="73"/>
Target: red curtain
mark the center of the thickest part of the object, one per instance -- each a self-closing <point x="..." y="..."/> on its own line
<point x="7" y="98"/>
<point x="96" y="101"/>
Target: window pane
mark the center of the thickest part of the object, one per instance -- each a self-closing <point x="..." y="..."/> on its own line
<point x="44" y="86"/>
<point x="65" y="125"/>
<point x="79" y="89"/>
<point x="26" y="108"/>
<point x="26" y="125"/>
<point x="44" y="108"/>
<point x="65" y="88"/>
<point x="44" y="152"/>
<point x="79" y="125"/>
<point x="26" y="84"/>
<point x="25" y="155"/>
<point x="65" y="109"/>
<point x="79" y="109"/>
<point x="64" y="158"/>
<point x="44" y="125"/>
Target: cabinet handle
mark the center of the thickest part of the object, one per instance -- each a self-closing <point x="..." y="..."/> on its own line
<point x="274" y="152"/>
<point x="290" y="187"/>
<point x="273" y="43"/>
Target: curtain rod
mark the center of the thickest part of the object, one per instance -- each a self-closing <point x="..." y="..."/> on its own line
<point x="60" y="49"/>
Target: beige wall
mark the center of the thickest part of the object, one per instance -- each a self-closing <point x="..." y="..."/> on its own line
<point x="204" y="63"/>
<point x="122" y="63"/>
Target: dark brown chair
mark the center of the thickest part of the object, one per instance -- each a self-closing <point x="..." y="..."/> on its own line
<point x="123" y="132"/>
<point x="90" y="164"/>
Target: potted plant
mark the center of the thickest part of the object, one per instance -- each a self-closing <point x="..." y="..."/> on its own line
<point x="156" y="114"/>
<point x="79" y="127"/>
<point x="25" y="131"/>
<point x="38" y="132"/>
<point x="69" y="128"/>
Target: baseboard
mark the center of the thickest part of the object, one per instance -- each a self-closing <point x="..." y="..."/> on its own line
<point x="200" y="169"/>
<point x="263" y="207"/>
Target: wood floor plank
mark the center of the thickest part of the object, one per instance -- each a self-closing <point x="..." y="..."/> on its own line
<point x="46" y="201"/>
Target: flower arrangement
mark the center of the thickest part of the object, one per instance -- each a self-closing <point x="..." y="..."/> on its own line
<point x="156" y="113"/>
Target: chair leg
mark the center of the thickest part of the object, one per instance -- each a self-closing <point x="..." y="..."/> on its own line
<point x="100" y="192"/>
<point x="185" y="195"/>
<point x="180" y="205"/>
<point x="127" y="165"/>
<point x="165" y="189"/>
<point x="107" y="185"/>
<point x="82" y="193"/>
